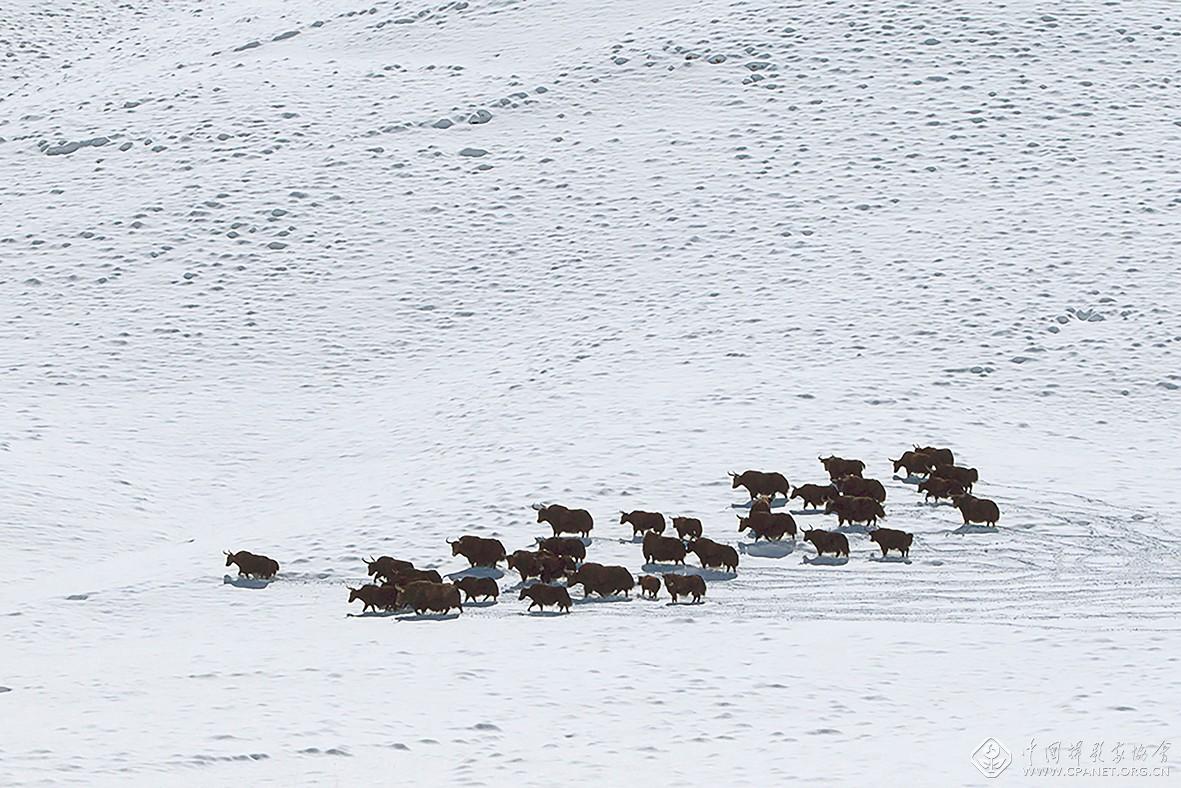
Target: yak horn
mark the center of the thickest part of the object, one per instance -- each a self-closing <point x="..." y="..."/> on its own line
<point x="536" y="507"/>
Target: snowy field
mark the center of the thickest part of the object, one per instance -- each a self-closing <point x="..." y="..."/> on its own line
<point x="323" y="280"/>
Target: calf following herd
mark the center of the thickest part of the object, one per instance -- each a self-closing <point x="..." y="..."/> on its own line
<point x="558" y="563"/>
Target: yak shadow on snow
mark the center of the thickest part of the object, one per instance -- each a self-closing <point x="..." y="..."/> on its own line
<point x="768" y="549"/>
<point x="677" y="569"/>
<point x="890" y="559"/>
<point x="477" y="571"/>
<point x="542" y="613"/>
<point x="599" y="600"/>
<point x="244" y="582"/>
<point x="853" y="528"/>
<point x="481" y="603"/>
<point x="827" y="560"/>
<point x="973" y="528"/>
<point x="806" y="512"/>
<point x="912" y="479"/>
<point x="429" y="617"/>
<point x="374" y="614"/>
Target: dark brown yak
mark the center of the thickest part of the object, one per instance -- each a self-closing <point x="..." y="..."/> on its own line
<point x="687" y="527"/>
<point x="544" y="596"/>
<point x="649" y="585"/>
<point x="478" y="550"/>
<point x="386" y="566"/>
<point x="965" y="476"/>
<point x="938" y="456"/>
<point x="685" y="585"/>
<point x="827" y="542"/>
<point x="838" y="467"/>
<point x="760" y="504"/>
<point x="252" y="565"/>
<point x="565" y="521"/>
<point x="541" y="564"/>
<point x="643" y="521"/>
<point x="916" y="463"/>
<point x="889" y="539"/>
<point x="855" y="510"/>
<point x="410" y="575"/>
<point x="857" y="487"/>
<point x="977" y="510"/>
<point x="761" y="483"/>
<point x="564" y="546"/>
<point x="376" y="597"/>
<point x="663" y="549"/>
<point x="713" y="554"/>
<point x="768" y="525"/>
<point x="424" y="596"/>
<point x="937" y="487"/>
<point x="602" y="580"/>
<point x="815" y="495"/>
<point x="473" y="587"/>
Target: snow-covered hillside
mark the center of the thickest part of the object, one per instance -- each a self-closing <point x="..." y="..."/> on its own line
<point x="324" y="280"/>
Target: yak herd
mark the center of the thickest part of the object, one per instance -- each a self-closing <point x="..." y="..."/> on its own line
<point x="853" y="498"/>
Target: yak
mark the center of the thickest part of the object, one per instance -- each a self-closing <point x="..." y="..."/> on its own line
<point x="601" y="580"/>
<point x="713" y="554"/>
<point x="685" y="585"/>
<point x="687" y="527"/>
<point x="814" y="495"/>
<point x="827" y="542"/>
<point x="643" y="521"/>
<point x="544" y="595"/>
<point x="938" y="456"/>
<point x="838" y="467"/>
<point x="965" y="476"/>
<point x="649" y="585"/>
<point x="976" y="510"/>
<point x="937" y="487"/>
<point x="386" y="566"/>
<point x="371" y="596"/>
<point x="565" y="521"/>
<point x="564" y="546"/>
<point x="473" y="587"/>
<point x="760" y="483"/>
<point x="478" y="550"/>
<point x="916" y="463"/>
<point x="857" y="487"/>
<point x="663" y="548"/>
<point x="252" y="565"/>
<point x="768" y="525"/>
<point x="855" y="510"/>
<point x="410" y="575"/>
<point x="890" y="539"/>
<point x="423" y="596"/>
<point x="541" y="564"/>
